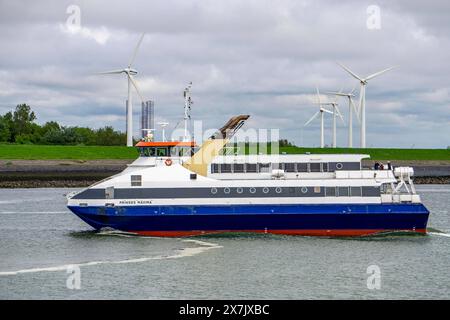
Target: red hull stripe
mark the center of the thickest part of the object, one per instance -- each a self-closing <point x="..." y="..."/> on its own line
<point x="299" y="232"/>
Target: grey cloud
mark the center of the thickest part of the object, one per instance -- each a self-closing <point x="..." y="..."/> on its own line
<point x="258" y="57"/>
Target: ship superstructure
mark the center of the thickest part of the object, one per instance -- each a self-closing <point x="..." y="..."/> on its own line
<point x="176" y="189"/>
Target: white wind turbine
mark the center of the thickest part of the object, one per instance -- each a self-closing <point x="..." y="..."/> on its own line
<point x="335" y="113"/>
<point x="362" y="98"/>
<point x="320" y="112"/>
<point x="351" y="107"/>
<point x="130" y="72"/>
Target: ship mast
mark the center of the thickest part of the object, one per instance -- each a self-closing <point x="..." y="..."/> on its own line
<point x="187" y="111"/>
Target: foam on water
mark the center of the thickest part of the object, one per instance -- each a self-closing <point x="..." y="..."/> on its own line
<point x="439" y="234"/>
<point x="434" y="190"/>
<point x="185" y="252"/>
<point x="32" y="212"/>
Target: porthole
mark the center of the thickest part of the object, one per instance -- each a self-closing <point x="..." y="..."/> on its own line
<point x="239" y="190"/>
<point x="252" y="190"/>
<point x="213" y="190"/>
<point x="304" y="189"/>
<point x="226" y="190"/>
<point x="339" y="166"/>
<point x="265" y="190"/>
<point x="278" y="190"/>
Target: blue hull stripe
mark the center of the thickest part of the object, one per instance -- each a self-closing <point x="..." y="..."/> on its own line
<point x="256" y="217"/>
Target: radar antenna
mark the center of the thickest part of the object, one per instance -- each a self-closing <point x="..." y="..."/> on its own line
<point x="187" y="112"/>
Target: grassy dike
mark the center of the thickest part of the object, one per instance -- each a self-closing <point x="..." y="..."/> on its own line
<point x="34" y="166"/>
<point x="50" y="152"/>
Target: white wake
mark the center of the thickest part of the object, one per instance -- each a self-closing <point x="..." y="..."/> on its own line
<point x="440" y="234"/>
<point x="185" y="252"/>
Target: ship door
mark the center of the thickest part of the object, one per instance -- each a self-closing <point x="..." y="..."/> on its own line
<point x="109" y="193"/>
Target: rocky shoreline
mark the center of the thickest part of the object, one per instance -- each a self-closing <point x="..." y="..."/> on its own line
<point x="79" y="174"/>
<point x="82" y="183"/>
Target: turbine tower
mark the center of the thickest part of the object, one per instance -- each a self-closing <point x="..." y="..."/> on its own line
<point x="362" y="98"/>
<point x="130" y="72"/>
<point x="336" y="113"/>
<point x="320" y="112"/>
<point x="351" y="107"/>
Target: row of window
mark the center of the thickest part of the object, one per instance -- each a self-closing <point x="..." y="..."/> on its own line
<point x="287" y="167"/>
<point x="328" y="191"/>
<point x="165" y="151"/>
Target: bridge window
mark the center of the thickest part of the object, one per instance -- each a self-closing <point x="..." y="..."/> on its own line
<point x="343" y="192"/>
<point x="371" y="191"/>
<point x="314" y="167"/>
<point x="251" y="167"/>
<point x="238" y="167"/>
<point x="214" y="168"/>
<point x="289" y="167"/>
<point x="136" y="180"/>
<point x="355" y="191"/>
<point x="264" y="167"/>
<point x="330" y="191"/>
<point x="225" y="168"/>
<point x="302" y="167"/>
<point x="162" y="152"/>
<point x="147" y="152"/>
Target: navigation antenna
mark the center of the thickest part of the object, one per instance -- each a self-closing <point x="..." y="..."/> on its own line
<point x="187" y="111"/>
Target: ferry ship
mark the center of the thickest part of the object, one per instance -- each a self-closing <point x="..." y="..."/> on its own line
<point x="175" y="189"/>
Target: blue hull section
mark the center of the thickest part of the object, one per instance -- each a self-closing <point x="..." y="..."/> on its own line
<point x="267" y="218"/>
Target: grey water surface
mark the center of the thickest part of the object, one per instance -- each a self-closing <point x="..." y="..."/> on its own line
<point x="44" y="248"/>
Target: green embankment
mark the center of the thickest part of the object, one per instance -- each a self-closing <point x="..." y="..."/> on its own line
<point x="50" y="152"/>
<point x="381" y="154"/>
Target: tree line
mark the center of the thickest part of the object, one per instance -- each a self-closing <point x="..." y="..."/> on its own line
<point x="19" y="126"/>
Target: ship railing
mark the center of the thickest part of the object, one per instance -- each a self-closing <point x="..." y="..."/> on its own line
<point x="230" y="151"/>
<point x="400" y="198"/>
<point x="364" y="174"/>
<point x="403" y="190"/>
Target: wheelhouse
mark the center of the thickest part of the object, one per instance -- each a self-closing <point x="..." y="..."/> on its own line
<point x="166" y="149"/>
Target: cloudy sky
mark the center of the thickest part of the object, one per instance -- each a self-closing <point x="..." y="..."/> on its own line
<point x="262" y="58"/>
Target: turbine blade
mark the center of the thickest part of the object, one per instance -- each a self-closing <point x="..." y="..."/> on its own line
<point x="324" y="103"/>
<point x="135" y="86"/>
<point x="337" y="93"/>
<point x="350" y="71"/>
<point x="318" y="93"/>
<point x="325" y="110"/>
<point x="312" y="118"/>
<point x="376" y="74"/>
<point x="339" y="113"/>
<point x="111" y="72"/>
<point x="136" y="50"/>
<point x="355" y="109"/>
